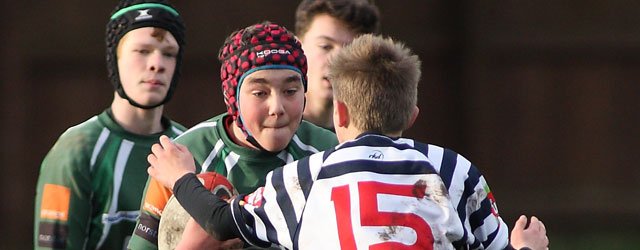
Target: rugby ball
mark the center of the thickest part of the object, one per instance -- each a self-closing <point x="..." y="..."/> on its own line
<point x="174" y="217"/>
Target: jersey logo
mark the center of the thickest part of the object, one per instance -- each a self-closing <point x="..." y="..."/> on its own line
<point x="494" y="207"/>
<point x="120" y="216"/>
<point x="55" y="202"/>
<point x="52" y="235"/>
<point x="376" y="155"/>
<point x="147" y="228"/>
<point x="156" y="197"/>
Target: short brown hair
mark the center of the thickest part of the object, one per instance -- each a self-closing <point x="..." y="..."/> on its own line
<point x="361" y="16"/>
<point x="377" y="78"/>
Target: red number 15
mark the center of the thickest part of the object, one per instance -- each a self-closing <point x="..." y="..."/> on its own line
<point x="371" y="216"/>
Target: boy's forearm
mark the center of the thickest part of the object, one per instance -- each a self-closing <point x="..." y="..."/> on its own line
<point x="211" y="212"/>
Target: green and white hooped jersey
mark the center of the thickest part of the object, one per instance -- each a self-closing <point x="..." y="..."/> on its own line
<point x="214" y="151"/>
<point x="91" y="183"/>
<point x="246" y="168"/>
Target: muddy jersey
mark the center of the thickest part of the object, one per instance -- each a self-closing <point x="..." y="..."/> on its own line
<point x="91" y="183"/>
<point x="374" y="192"/>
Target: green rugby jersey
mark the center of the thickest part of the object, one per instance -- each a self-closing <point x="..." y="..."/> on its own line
<point x="214" y="151"/>
<point x="91" y="183"/>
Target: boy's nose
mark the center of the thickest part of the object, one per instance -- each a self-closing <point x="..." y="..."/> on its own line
<point x="276" y="106"/>
<point x="156" y="62"/>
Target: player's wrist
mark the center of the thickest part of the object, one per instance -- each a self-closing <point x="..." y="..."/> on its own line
<point x="181" y="178"/>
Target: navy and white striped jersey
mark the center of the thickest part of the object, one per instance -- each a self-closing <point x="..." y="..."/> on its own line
<point x="472" y="199"/>
<point x="373" y="192"/>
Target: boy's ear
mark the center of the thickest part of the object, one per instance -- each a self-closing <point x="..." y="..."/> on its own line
<point x="414" y="116"/>
<point x="341" y="114"/>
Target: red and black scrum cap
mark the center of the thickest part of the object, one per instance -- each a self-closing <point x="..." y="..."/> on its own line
<point x="260" y="46"/>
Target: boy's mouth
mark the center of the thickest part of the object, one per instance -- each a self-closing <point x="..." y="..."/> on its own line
<point x="153" y="82"/>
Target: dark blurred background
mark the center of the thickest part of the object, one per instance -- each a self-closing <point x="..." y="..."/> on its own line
<point x="541" y="95"/>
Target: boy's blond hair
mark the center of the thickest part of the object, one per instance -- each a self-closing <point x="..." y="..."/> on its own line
<point x="377" y="78"/>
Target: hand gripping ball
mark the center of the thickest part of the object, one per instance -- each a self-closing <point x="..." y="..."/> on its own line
<point x="174" y="217"/>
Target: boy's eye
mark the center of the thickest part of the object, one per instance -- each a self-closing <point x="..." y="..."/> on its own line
<point x="291" y="91"/>
<point x="169" y="54"/>
<point x="258" y="93"/>
<point x="326" y="47"/>
<point x="143" y="51"/>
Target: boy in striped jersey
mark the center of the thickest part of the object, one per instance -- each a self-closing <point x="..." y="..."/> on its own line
<point x="263" y="77"/>
<point x="91" y="182"/>
<point x="374" y="190"/>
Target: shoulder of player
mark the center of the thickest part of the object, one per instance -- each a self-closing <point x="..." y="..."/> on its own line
<point x="73" y="150"/>
<point x="312" y="134"/>
<point x="453" y="167"/>
<point x="79" y="138"/>
<point x="199" y="131"/>
<point x="445" y="156"/>
<point x="176" y="128"/>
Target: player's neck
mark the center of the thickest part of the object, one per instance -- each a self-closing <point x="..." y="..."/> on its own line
<point x="137" y="120"/>
<point x="350" y="133"/>
<point x="347" y="133"/>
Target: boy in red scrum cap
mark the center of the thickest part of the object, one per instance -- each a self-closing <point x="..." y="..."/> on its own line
<point x="263" y="76"/>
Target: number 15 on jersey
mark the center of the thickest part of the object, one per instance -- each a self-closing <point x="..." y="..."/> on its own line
<point x="401" y="218"/>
